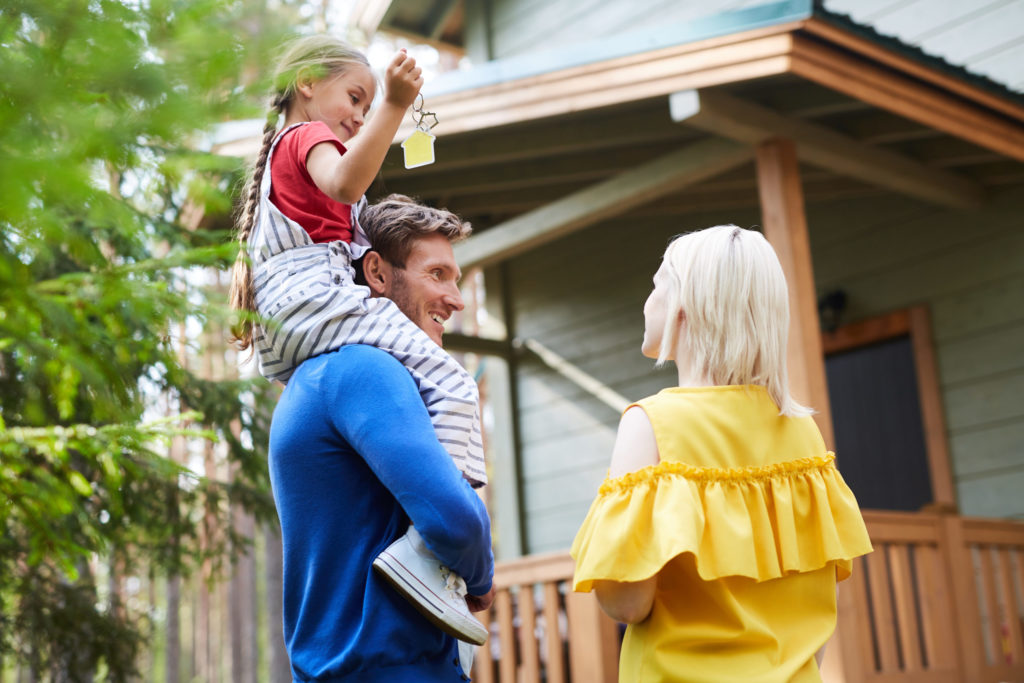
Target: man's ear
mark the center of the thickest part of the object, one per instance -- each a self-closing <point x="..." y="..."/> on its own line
<point x="377" y="272"/>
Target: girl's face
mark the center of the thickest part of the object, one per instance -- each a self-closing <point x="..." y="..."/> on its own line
<point x="654" y="315"/>
<point x="341" y="101"/>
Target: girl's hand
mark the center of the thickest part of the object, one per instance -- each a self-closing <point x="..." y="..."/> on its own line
<point x="402" y="80"/>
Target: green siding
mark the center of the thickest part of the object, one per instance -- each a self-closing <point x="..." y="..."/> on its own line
<point x="529" y="26"/>
<point x="983" y="38"/>
<point x="510" y="39"/>
<point x="582" y="296"/>
<point x="968" y="267"/>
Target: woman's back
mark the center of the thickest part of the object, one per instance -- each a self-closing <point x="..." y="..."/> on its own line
<point x="745" y="522"/>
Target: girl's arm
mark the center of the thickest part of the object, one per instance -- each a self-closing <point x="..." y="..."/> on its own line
<point x="635" y="448"/>
<point x="347" y="177"/>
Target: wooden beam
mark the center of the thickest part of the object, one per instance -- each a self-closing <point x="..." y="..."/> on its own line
<point x="438" y="18"/>
<point x="525" y="175"/>
<point x="804" y="99"/>
<point x="723" y="191"/>
<point x="593" y="386"/>
<point x="467" y="343"/>
<point x="719" y="113"/>
<point x="598" y="202"/>
<point x="537" y="140"/>
<point x="1001" y="132"/>
<point x="912" y="67"/>
<point x="932" y="414"/>
<point x="880" y="127"/>
<point x="726" y="59"/>
<point x="785" y="226"/>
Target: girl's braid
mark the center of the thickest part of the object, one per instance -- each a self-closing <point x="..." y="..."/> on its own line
<point x="242" y="294"/>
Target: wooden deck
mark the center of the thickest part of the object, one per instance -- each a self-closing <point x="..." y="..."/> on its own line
<point x="940" y="599"/>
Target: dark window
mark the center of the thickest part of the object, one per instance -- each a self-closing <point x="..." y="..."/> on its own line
<point x="879" y="435"/>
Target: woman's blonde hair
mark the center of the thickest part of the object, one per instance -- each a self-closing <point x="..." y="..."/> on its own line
<point x="729" y="287"/>
<point x="310" y="58"/>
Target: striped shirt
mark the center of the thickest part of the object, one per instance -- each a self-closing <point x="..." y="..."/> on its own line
<point x="309" y="304"/>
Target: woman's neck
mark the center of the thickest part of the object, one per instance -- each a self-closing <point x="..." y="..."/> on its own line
<point x="690" y="377"/>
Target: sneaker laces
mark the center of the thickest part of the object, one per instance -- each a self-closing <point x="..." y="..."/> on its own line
<point x="454" y="584"/>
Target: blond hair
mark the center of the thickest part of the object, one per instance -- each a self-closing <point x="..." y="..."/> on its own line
<point x="310" y="58"/>
<point x="730" y="289"/>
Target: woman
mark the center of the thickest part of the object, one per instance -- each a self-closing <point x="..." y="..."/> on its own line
<point x="723" y="526"/>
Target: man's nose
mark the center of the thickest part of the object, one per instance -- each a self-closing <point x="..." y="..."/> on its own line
<point x="453" y="298"/>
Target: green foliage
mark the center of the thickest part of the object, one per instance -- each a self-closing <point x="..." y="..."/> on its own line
<point x="104" y="106"/>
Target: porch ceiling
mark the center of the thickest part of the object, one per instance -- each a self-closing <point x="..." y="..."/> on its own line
<point x="493" y="174"/>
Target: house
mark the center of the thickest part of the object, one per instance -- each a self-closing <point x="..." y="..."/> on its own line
<point x="880" y="146"/>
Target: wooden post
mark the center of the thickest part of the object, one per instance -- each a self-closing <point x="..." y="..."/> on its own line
<point x="930" y="394"/>
<point x="593" y="640"/>
<point x="785" y="226"/>
<point x="965" y="596"/>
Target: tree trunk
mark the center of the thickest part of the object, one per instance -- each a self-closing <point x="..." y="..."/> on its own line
<point x="173" y="660"/>
<point x="243" y="607"/>
<point x="280" y="667"/>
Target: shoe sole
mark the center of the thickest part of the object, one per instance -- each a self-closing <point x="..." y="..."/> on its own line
<point x="426" y="600"/>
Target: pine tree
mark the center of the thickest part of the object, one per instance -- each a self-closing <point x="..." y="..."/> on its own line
<point x="104" y="108"/>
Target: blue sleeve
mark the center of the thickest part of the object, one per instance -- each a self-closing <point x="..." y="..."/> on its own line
<point x="378" y="410"/>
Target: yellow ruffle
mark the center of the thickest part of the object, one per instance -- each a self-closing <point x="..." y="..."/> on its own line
<point x="758" y="522"/>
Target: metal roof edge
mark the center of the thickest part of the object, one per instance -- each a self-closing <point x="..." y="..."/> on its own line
<point x="897" y="46"/>
<point x="629" y="43"/>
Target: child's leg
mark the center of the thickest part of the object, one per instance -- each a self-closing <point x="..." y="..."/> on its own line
<point x="435" y="590"/>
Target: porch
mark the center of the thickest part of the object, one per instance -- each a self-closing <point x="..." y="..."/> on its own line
<point x="940" y="599"/>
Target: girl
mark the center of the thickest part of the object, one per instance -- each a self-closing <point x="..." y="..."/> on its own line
<point x="301" y="235"/>
<point x="723" y="526"/>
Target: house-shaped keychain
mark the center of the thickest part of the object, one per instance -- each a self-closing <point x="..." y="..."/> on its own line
<point x="418" y="148"/>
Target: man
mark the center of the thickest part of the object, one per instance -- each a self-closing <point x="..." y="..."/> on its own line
<point x="354" y="459"/>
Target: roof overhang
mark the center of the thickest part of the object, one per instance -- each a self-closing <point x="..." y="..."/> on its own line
<point x="435" y="22"/>
<point x="770" y="40"/>
<point x="530" y="149"/>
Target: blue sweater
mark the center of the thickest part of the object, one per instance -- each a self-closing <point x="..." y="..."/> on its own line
<point x="354" y="458"/>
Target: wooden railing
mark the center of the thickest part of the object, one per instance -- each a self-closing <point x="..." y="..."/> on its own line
<point x="940" y="599"/>
<point x="542" y="631"/>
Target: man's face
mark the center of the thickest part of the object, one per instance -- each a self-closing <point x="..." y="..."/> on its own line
<point x="426" y="290"/>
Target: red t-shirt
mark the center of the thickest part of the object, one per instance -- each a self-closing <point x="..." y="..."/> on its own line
<point x="296" y="195"/>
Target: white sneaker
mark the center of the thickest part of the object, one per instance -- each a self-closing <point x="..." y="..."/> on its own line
<point x="432" y="588"/>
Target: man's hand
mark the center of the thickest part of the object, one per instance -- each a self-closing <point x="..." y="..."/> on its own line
<point x="479" y="603"/>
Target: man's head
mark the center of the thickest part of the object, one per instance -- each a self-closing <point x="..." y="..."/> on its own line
<point x="412" y="262"/>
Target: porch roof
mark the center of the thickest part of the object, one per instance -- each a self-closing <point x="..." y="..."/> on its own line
<point x="637" y="41"/>
<point x="531" y="148"/>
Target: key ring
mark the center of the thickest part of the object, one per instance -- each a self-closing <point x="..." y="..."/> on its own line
<point x="419" y="116"/>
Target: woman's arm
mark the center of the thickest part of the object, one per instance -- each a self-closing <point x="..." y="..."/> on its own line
<point x="635" y="448"/>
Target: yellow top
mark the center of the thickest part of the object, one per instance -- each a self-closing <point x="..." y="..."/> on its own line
<point x="747" y="524"/>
